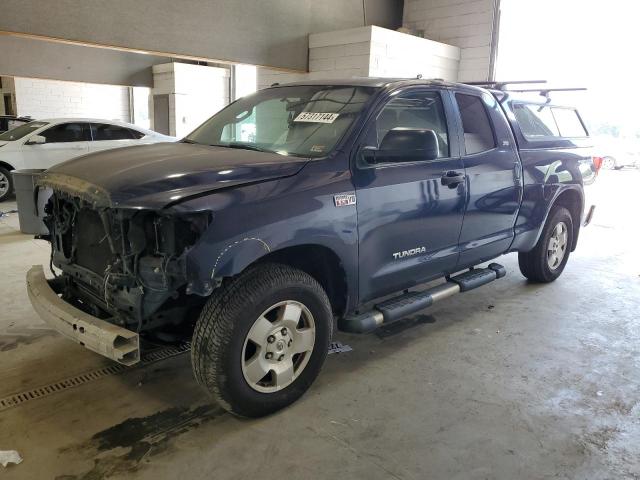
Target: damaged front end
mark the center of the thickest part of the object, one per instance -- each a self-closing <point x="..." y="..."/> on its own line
<point x="126" y="266"/>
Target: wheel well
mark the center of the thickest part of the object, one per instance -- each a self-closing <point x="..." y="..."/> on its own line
<point x="322" y="264"/>
<point x="6" y="165"/>
<point x="572" y="201"/>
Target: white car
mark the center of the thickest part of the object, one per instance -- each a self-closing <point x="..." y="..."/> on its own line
<point x="44" y="143"/>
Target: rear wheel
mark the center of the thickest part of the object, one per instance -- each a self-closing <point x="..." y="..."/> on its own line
<point x="261" y="340"/>
<point x="609" y="163"/>
<point x="6" y="184"/>
<point x="548" y="258"/>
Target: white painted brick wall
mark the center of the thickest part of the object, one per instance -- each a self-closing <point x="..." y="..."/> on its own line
<point x="54" y="99"/>
<point x="465" y="24"/>
<point x="195" y="93"/>
<point x="6" y="89"/>
<point x="370" y="52"/>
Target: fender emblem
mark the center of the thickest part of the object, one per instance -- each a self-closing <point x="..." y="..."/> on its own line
<point x="344" y="199"/>
<point x="409" y="253"/>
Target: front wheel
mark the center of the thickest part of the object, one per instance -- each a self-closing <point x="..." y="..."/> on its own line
<point x="548" y="258"/>
<point x="6" y="184"/>
<point x="261" y="339"/>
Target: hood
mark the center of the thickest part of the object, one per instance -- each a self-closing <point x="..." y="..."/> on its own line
<point x="153" y="176"/>
<point x="2" y="143"/>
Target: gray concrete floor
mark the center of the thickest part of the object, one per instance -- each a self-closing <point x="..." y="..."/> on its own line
<point x="509" y="381"/>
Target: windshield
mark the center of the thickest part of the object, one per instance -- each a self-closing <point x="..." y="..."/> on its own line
<point x="21" y="131"/>
<point x="303" y="121"/>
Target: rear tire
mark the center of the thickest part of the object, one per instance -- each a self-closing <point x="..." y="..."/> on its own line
<point x="548" y="258"/>
<point x="272" y="320"/>
<point x="6" y="184"/>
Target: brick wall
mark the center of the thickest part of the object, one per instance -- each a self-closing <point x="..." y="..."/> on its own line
<point x="465" y="24"/>
<point x="54" y="99"/>
<point x="195" y="93"/>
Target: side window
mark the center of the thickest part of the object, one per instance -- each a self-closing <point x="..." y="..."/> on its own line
<point x="14" y="123"/>
<point x="535" y="121"/>
<point x="136" y="134"/>
<point x="67" y="132"/>
<point x="568" y="122"/>
<point x="417" y="114"/>
<point x="478" y="135"/>
<point x="540" y="121"/>
<point x="106" y="131"/>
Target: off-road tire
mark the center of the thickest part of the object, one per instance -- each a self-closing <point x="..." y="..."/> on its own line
<point x="7" y="174"/>
<point x="225" y="320"/>
<point x="533" y="264"/>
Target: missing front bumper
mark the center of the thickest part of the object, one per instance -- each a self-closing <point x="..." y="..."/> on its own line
<point x="102" y="337"/>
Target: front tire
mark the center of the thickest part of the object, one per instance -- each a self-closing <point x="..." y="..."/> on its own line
<point x="261" y="339"/>
<point x="548" y="258"/>
<point x="6" y="184"/>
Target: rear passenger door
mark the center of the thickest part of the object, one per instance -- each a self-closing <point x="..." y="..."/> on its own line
<point x="493" y="171"/>
<point x="106" y="136"/>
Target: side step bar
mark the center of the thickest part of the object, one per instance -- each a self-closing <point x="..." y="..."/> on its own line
<point x="412" y="302"/>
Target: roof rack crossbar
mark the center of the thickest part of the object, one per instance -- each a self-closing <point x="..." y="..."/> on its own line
<point x="544" y="91"/>
<point x="504" y="82"/>
<point x="500" y="85"/>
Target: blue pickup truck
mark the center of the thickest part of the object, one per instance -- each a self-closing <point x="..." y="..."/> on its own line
<point x="303" y="207"/>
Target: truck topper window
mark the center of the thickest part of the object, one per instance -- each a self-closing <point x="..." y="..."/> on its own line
<point x="544" y="121"/>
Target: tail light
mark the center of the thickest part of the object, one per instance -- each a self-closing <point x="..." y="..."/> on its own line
<point x="597" y="163"/>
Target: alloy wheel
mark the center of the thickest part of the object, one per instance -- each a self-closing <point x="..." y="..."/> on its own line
<point x="4" y="185"/>
<point x="278" y="346"/>
<point x="557" y="247"/>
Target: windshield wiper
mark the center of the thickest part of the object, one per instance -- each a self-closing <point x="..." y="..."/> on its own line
<point x="244" y="146"/>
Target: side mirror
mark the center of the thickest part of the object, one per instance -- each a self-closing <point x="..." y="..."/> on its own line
<point x="36" y="140"/>
<point x="368" y="155"/>
<point x="410" y="144"/>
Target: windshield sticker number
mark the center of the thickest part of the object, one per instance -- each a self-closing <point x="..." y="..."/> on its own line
<point x="314" y="117"/>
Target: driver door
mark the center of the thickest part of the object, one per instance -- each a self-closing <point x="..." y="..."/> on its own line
<point x="409" y="213"/>
<point x="63" y="142"/>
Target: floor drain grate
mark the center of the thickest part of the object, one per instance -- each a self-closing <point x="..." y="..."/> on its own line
<point x="55" y="387"/>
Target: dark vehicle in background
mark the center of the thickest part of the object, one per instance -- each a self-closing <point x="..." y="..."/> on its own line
<point x="304" y="207"/>
<point x="7" y="122"/>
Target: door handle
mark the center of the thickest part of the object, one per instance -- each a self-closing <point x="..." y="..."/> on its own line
<point x="451" y="179"/>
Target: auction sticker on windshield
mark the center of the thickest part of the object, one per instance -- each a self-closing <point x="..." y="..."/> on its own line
<point x="316" y="117"/>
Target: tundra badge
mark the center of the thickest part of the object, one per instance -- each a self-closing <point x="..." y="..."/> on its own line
<point x="409" y="253"/>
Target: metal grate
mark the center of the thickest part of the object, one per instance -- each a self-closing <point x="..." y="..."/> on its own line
<point x="46" y="390"/>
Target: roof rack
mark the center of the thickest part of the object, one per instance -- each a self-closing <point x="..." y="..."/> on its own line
<point x="545" y="91"/>
<point x="499" y="85"/>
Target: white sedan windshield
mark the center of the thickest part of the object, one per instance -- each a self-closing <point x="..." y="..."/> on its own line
<point x="21" y="131"/>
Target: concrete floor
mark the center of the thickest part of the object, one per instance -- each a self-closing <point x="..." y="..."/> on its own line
<point x="510" y="381"/>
